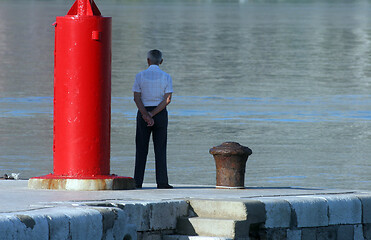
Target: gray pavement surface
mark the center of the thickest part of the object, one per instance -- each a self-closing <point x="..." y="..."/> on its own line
<point x="15" y="195"/>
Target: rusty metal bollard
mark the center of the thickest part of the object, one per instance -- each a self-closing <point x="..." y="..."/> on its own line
<point x="230" y="160"/>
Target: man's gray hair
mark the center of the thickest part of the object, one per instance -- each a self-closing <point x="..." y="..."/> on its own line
<point x="155" y="56"/>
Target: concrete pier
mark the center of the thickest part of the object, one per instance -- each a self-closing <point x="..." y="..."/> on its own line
<point x="186" y="212"/>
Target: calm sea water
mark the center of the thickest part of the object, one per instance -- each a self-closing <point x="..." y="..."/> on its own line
<point x="289" y="79"/>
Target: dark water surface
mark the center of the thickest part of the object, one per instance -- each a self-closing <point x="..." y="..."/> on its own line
<point x="289" y="80"/>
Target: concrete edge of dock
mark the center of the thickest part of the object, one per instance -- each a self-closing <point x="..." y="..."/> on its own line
<point x="342" y="215"/>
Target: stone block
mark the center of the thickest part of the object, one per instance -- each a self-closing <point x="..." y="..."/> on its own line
<point x="24" y="225"/>
<point x="277" y="211"/>
<point x="115" y="224"/>
<point x="308" y="234"/>
<point x="255" y="211"/>
<point x="366" y="208"/>
<point x="345" y="232"/>
<point x="154" y="216"/>
<point x="184" y="237"/>
<point x="326" y="233"/>
<point x="149" y="236"/>
<point x="197" y="226"/>
<point x="164" y="215"/>
<point x="275" y="233"/>
<point x="20" y="231"/>
<point x="223" y="209"/>
<point x="367" y="231"/>
<point x="293" y="234"/>
<point x="36" y="226"/>
<point x="252" y="210"/>
<point x="85" y="223"/>
<point x="358" y="232"/>
<point x="308" y="211"/>
<point x="124" y="228"/>
<point x="185" y="227"/>
<point x="59" y="224"/>
<point x="344" y="209"/>
<point x="7" y="227"/>
<point x="138" y="214"/>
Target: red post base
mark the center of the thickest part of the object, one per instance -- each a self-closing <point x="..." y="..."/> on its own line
<point x="104" y="182"/>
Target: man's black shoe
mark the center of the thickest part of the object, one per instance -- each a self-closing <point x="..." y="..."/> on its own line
<point x="138" y="186"/>
<point x="167" y="186"/>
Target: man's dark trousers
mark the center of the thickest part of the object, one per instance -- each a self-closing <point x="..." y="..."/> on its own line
<point x="159" y="137"/>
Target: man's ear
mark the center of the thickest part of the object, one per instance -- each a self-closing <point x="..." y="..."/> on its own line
<point x="161" y="61"/>
<point x="148" y="61"/>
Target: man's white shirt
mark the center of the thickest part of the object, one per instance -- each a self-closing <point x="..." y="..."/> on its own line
<point x="153" y="84"/>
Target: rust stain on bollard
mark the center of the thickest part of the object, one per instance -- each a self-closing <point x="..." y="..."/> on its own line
<point x="230" y="160"/>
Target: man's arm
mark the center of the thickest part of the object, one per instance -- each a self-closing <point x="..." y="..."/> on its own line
<point x="162" y="105"/>
<point x="145" y="115"/>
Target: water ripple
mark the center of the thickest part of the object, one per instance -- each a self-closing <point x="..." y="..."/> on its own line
<point x="218" y="108"/>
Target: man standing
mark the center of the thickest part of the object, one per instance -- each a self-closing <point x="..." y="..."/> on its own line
<point x="152" y="93"/>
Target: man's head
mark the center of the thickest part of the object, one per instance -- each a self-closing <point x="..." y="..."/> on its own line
<point x="154" y="57"/>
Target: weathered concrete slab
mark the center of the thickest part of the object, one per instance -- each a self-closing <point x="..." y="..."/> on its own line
<point x="217" y="208"/>
<point x="183" y="237"/>
<point x="17" y="197"/>
<point x="345" y="232"/>
<point x="343" y="209"/>
<point x="278" y="212"/>
<point x="308" y="211"/>
<point x="358" y="232"/>
<point x="197" y="226"/>
<point x="293" y="234"/>
<point x="366" y="207"/>
<point x="164" y="215"/>
<point x="66" y="223"/>
<point x="287" y="213"/>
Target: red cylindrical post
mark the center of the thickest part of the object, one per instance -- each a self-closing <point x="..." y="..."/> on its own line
<point x="82" y="94"/>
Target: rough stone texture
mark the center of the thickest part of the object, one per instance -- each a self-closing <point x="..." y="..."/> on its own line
<point x="26" y="226"/>
<point x="278" y="213"/>
<point x="344" y="209"/>
<point x="255" y="211"/>
<point x="15" y="229"/>
<point x="358" y="232"/>
<point x="85" y="223"/>
<point x="212" y="227"/>
<point x="308" y="234"/>
<point x="367" y="231"/>
<point x="149" y="235"/>
<point x="366" y="208"/>
<point x="138" y="214"/>
<point x="156" y="235"/>
<point x="164" y="215"/>
<point x="59" y="224"/>
<point x="106" y="214"/>
<point x="308" y="211"/>
<point x="67" y="223"/>
<point x="154" y="216"/>
<point x="7" y="228"/>
<point x="183" y="237"/>
<point x="326" y="233"/>
<point x="115" y="224"/>
<point x="293" y="234"/>
<point x="219" y="209"/>
<point x="275" y="233"/>
<point x="345" y="232"/>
